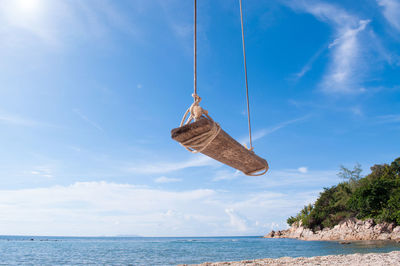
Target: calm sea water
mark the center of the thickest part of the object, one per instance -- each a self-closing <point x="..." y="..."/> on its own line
<point x="20" y="250"/>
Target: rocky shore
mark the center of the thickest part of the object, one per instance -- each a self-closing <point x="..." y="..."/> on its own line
<point x="392" y="258"/>
<point x="350" y="229"/>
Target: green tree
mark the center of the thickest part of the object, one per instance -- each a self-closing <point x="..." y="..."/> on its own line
<point x="331" y="207"/>
<point x="351" y="176"/>
<point x="393" y="207"/>
<point x="301" y="216"/>
<point x="376" y="196"/>
<point x="370" y="200"/>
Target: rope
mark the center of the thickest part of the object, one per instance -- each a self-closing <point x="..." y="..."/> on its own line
<point x="195" y="112"/>
<point x="266" y="167"/>
<point x="195" y="48"/>
<point x="199" y="143"/>
<point x="264" y="170"/>
<point x="245" y="73"/>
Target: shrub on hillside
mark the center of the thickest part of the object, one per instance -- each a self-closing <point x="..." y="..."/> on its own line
<point x="375" y="196"/>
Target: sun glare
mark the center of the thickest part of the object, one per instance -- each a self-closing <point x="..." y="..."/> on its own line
<point x="28" y="6"/>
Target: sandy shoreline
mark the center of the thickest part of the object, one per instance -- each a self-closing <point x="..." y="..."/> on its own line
<point x="391" y="258"/>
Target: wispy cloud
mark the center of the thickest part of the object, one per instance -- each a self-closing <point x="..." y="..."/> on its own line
<point x="180" y="24"/>
<point x="24" y="17"/>
<point x="227" y="175"/>
<point x="301" y="177"/>
<point x="164" y="179"/>
<point x="391" y="11"/>
<point x="324" y="11"/>
<point x="102" y="17"/>
<point x="17" y="120"/>
<point x="346" y="70"/>
<point x="55" y="23"/>
<point x="42" y="171"/>
<point x="355" y="110"/>
<point x="166" y="167"/>
<point x="308" y="65"/>
<point x="237" y="221"/>
<point x="86" y="119"/>
<point x="392" y="118"/>
<point x="265" y="132"/>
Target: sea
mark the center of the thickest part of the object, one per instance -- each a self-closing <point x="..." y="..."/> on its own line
<point x="43" y="250"/>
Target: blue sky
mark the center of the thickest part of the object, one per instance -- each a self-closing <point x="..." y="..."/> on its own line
<point x="89" y="91"/>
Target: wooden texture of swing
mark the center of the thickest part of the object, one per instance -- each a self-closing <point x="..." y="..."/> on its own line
<point x="206" y="136"/>
<point x="222" y="148"/>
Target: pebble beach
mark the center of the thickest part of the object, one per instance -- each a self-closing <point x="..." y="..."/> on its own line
<point x="391" y="258"/>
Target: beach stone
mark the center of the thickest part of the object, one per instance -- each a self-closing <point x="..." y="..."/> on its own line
<point x="372" y="259"/>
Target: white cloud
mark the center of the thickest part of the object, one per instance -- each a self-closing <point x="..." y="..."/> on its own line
<point x="347" y="68"/>
<point x="391" y="11"/>
<point x="227" y="175"/>
<point x="166" y="167"/>
<point x="303" y="170"/>
<point x="236" y="221"/>
<point x="308" y="65"/>
<point x="164" y="179"/>
<point x="345" y="71"/>
<point x="94" y="208"/>
<point x="325" y="12"/>
<point x="43" y="171"/>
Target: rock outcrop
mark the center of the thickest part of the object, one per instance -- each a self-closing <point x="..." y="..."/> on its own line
<point x="349" y="229"/>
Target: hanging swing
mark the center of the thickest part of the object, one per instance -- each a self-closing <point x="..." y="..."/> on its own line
<point x="198" y="132"/>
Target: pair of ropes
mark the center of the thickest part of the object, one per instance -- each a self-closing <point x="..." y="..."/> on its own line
<point x="196" y="111"/>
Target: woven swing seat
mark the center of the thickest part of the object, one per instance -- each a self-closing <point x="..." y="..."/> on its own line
<point x="222" y="148"/>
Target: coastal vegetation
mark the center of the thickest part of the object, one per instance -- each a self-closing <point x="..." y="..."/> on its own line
<point x="375" y="196"/>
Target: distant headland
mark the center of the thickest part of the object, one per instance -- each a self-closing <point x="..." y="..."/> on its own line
<point x="359" y="208"/>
